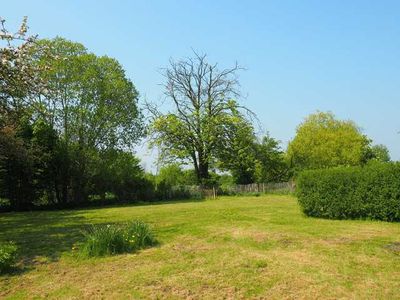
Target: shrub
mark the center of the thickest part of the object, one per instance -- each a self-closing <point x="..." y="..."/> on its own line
<point x="8" y="256"/>
<point x="370" y="192"/>
<point x="102" y="240"/>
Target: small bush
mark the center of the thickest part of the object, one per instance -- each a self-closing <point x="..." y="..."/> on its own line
<point x="102" y="240"/>
<point x="8" y="256"/>
<point x="371" y="192"/>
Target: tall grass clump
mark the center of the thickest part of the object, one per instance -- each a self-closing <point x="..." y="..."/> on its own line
<point x="369" y="192"/>
<point x="8" y="256"/>
<point x="111" y="239"/>
<point x="140" y="235"/>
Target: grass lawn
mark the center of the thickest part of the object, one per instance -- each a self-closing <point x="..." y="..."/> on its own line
<point x="232" y="247"/>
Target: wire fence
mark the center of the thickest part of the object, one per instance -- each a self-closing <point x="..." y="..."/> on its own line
<point x="288" y="187"/>
<point x="179" y="192"/>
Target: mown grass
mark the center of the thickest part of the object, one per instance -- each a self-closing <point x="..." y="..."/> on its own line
<point x="232" y="247"/>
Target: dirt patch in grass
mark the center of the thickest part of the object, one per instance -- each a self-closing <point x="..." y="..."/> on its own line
<point x="393" y="247"/>
<point x="204" y="292"/>
<point x="189" y="244"/>
<point x="257" y="236"/>
<point x="337" y="241"/>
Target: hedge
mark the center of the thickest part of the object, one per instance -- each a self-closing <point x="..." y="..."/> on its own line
<point x="369" y="192"/>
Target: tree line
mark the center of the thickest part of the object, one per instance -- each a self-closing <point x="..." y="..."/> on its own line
<point x="69" y="120"/>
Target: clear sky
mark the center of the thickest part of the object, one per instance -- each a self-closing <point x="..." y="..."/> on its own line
<point x="300" y="56"/>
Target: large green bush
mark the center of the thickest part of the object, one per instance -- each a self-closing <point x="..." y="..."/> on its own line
<point x="371" y="192"/>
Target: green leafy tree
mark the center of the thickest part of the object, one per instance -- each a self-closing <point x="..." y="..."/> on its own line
<point x="270" y="161"/>
<point x="237" y="153"/>
<point x="17" y="162"/>
<point x="171" y="175"/>
<point x="92" y="102"/>
<point x="92" y="105"/>
<point x="119" y="174"/>
<point x="22" y="161"/>
<point x="128" y="181"/>
<point x="379" y="153"/>
<point x="250" y="160"/>
<point x="323" y="141"/>
<point x="198" y="126"/>
<point x="61" y="108"/>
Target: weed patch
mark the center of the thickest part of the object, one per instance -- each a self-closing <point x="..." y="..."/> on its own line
<point x="111" y="239"/>
<point x="8" y="256"/>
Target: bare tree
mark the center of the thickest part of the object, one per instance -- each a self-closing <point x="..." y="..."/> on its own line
<point x="204" y="111"/>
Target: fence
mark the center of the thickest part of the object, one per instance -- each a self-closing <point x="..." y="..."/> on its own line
<point x="288" y="187"/>
<point x="184" y="192"/>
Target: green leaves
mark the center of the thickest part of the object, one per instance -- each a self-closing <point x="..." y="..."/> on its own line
<point x="92" y="102"/>
<point x="200" y="126"/>
<point x="111" y="239"/>
<point x="322" y="141"/>
<point x="352" y="192"/>
<point x="8" y="256"/>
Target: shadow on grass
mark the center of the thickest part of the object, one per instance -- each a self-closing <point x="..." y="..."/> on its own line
<point x="44" y="236"/>
<point x="144" y="203"/>
<point x="41" y="237"/>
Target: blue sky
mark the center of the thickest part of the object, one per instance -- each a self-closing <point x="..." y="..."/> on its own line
<point x="300" y="56"/>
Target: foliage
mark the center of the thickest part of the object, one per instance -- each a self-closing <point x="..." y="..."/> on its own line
<point x="19" y="77"/>
<point x="141" y="234"/>
<point x="93" y="107"/>
<point x="62" y="108"/>
<point x="120" y="173"/>
<point x="16" y="169"/>
<point x="21" y="160"/>
<point x="8" y="256"/>
<point x="24" y="162"/>
<point x="173" y="175"/>
<point x="102" y="240"/>
<point x="322" y="141"/>
<point x="237" y="151"/>
<point x="270" y="161"/>
<point x="204" y="113"/>
<point x="371" y="192"/>
<point x="251" y="160"/>
<point x="380" y="153"/>
<point x="225" y="181"/>
<point x="98" y="104"/>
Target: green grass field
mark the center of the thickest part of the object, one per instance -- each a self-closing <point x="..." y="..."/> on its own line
<point x="229" y="248"/>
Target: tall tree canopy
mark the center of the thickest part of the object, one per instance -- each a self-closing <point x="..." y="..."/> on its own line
<point x="204" y="112"/>
<point x="63" y="110"/>
<point x="250" y="159"/>
<point x="21" y="157"/>
<point x="323" y="141"/>
<point x="92" y="106"/>
<point x="237" y="152"/>
<point x="271" y="165"/>
<point x="92" y="102"/>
